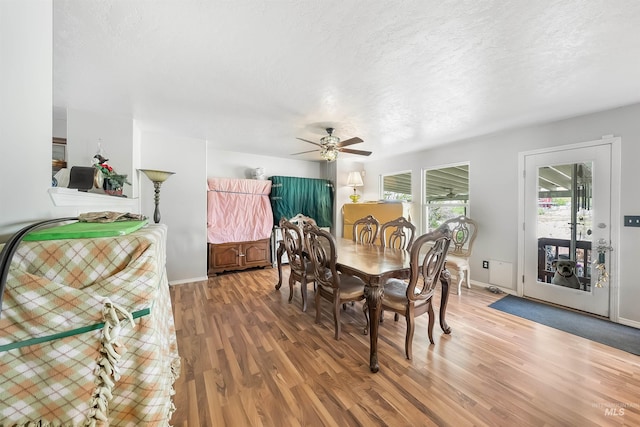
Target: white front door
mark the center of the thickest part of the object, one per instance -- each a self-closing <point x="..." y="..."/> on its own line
<point x="567" y="208"/>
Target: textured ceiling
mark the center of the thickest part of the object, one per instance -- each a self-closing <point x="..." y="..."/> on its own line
<point x="251" y="76"/>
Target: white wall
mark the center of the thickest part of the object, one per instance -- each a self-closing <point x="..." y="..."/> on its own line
<point x="342" y="191"/>
<point x="183" y="201"/>
<point x="26" y="116"/>
<point x="85" y="128"/>
<point x="25" y="112"/>
<point x="59" y="122"/>
<point x="494" y="186"/>
<point x="230" y="164"/>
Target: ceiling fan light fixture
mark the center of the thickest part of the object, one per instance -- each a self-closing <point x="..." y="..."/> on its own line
<point x="330" y="145"/>
<point x="330" y="140"/>
<point x="329" y="153"/>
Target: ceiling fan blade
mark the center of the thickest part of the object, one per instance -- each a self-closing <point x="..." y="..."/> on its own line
<point x="350" y="141"/>
<point x="310" y="142"/>
<point x="304" y="152"/>
<point x="360" y="152"/>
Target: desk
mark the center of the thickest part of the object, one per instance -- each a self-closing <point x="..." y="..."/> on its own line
<point x="374" y="265"/>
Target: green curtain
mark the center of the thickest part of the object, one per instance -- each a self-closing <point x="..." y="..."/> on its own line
<point x="307" y="196"/>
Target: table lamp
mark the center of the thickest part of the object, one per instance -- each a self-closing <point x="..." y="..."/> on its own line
<point x="157" y="177"/>
<point x="354" y="180"/>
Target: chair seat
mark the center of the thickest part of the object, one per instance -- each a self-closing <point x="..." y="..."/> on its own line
<point x="463" y="234"/>
<point x="395" y="295"/>
<point x="351" y="287"/>
<point x="456" y="262"/>
<point x="459" y="267"/>
<point x="308" y="270"/>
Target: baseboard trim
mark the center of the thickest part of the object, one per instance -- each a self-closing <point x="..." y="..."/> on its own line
<point x="482" y="285"/>
<point x="629" y="322"/>
<point x="195" y="279"/>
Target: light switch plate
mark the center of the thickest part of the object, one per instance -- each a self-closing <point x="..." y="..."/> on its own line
<point x="632" y="220"/>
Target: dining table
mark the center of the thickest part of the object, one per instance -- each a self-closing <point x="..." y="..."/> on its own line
<point x="375" y="265"/>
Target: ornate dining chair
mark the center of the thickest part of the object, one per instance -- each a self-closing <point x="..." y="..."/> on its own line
<point x="300" y="269"/>
<point x="463" y="234"/>
<point x="398" y="234"/>
<point x="365" y="230"/>
<point x="413" y="298"/>
<point x="300" y="220"/>
<point x="338" y="288"/>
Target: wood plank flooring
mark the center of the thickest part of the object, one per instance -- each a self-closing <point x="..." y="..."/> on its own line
<point x="249" y="358"/>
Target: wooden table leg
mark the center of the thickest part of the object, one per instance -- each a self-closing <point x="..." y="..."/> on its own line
<point x="445" y="280"/>
<point x="374" y="302"/>
<point x="279" y="254"/>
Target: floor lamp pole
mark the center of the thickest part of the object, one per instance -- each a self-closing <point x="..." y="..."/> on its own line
<point x="157" y="177"/>
<point x="156" y="211"/>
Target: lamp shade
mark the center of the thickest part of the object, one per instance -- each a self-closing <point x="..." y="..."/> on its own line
<point x="156" y="175"/>
<point x="354" y="179"/>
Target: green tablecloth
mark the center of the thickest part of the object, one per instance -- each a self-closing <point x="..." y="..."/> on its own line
<point x="83" y="230"/>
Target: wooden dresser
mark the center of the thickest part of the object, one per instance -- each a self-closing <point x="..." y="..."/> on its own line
<point x="238" y="256"/>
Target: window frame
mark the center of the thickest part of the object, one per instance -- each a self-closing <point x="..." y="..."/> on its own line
<point x="381" y="184"/>
<point x="426" y="205"/>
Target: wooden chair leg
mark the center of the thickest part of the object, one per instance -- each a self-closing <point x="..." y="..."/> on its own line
<point x="460" y="274"/>
<point x="408" y="341"/>
<point x="318" y="298"/>
<point x="336" y="318"/>
<point x="303" y="291"/>
<point x="431" y="323"/>
<point x="365" y="309"/>
<point x="291" y="283"/>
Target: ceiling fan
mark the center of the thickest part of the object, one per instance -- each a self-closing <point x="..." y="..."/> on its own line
<point x="450" y="195"/>
<point x="331" y="145"/>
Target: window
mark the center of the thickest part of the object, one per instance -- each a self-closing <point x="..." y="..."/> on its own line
<point x="446" y="194"/>
<point x="396" y="186"/>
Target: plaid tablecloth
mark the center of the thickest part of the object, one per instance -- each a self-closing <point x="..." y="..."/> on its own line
<point x="69" y="353"/>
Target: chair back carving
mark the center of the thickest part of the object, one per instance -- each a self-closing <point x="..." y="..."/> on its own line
<point x="365" y="230"/>
<point x="321" y="249"/>
<point x="463" y="234"/>
<point x="398" y="234"/>
<point x="426" y="272"/>
<point x="300" y="220"/>
<point x="292" y="239"/>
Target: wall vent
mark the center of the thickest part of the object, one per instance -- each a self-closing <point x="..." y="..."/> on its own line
<point x="501" y="274"/>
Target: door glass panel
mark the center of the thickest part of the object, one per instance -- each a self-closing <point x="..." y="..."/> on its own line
<point x="564" y="225"/>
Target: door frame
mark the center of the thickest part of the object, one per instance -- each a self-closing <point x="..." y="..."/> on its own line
<point x="614" y="255"/>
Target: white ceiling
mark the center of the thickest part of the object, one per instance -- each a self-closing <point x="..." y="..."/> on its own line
<point x="251" y="76"/>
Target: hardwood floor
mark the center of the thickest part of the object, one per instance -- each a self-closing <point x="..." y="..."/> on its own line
<point x="249" y="358"/>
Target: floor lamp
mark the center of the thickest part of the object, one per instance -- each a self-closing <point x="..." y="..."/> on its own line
<point x="157" y="177"/>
